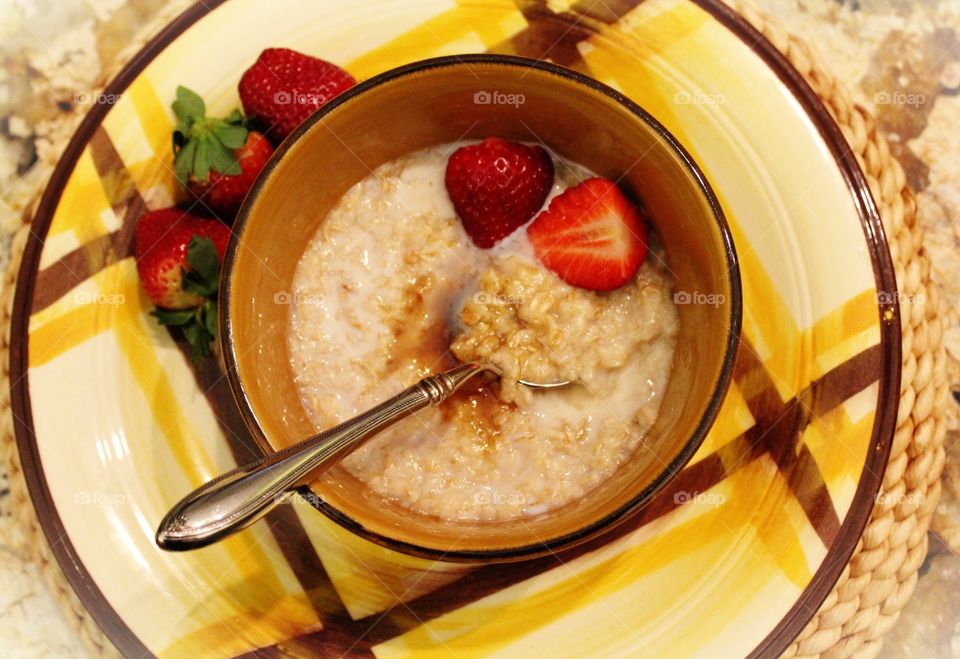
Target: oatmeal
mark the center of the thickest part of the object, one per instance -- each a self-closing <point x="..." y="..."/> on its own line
<point x="391" y="282"/>
<point x="535" y="327"/>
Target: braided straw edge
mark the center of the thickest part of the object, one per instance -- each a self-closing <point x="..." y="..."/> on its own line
<point x="92" y="638"/>
<point x="880" y="577"/>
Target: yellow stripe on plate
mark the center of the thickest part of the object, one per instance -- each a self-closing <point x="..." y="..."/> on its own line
<point x="846" y="332"/>
<point x="267" y="581"/>
<point x="617" y="56"/>
<point x="127" y="319"/>
<point x="82" y="202"/>
<point x="469" y="27"/>
<point x="153" y="114"/>
<point x="140" y="125"/>
<point x="733" y="419"/>
<point x="617" y="51"/>
<point x="82" y="313"/>
<point x="632" y="56"/>
<point x="65" y="332"/>
<point x="154" y="120"/>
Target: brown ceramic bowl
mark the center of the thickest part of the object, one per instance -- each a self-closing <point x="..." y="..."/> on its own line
<point x="442" y="100"/>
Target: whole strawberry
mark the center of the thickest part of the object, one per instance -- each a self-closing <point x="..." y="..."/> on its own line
<point x="178" y="259"/>
<point x="217" y="160"/>
<point x="284" y="87"/>
<point x="496" y="187"/>
<point x="591" y="236"/>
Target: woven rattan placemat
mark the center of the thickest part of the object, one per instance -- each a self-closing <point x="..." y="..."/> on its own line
<point x="882" y="573"/>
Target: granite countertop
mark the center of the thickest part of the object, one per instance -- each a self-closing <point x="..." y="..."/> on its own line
<point x="901" y="58"/>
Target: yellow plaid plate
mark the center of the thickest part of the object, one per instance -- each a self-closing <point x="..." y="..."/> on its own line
<point x="114" y="423"/>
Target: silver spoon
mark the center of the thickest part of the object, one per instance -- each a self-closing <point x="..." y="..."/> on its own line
<point x="240" y="497"/>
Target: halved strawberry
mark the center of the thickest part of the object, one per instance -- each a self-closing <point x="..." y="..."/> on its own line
<point x="591" y="236"/>
<point x="496" y="186"/>
<point x="178" y="260"/>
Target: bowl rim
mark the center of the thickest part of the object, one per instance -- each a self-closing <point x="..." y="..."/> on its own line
<point x="597" y="527"/>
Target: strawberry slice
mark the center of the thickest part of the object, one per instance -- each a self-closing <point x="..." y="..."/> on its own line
<point x="590" y="236"/>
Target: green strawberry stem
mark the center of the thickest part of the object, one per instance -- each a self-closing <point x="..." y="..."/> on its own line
<point x="202" y="144"/>
<point x="199" y="324"/>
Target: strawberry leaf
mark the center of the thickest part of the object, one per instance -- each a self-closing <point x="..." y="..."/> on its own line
<point x="189" y="106"/>
<point x="203" y="259"/>
<point x="201" y="161"/>
<point x="202" y="144"/>
<point x="193" y="283"/>
<point x="203" y="277"/>
<point x="183" y="161"/>
<point x="194" y="334"/>
<point x="210" y="320"/>
<point x="231" y="136"/>
<point x="173" y="317"/>
<point x="200" y="349"/>
<point x="201" y="332"/>
<point x="180" y="135"/>
<point x="236" y="117"/>
<point x="198" y="325"/>
<point x="222" y="159"/>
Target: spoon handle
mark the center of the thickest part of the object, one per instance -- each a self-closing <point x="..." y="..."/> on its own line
<point x="240" y="497"/>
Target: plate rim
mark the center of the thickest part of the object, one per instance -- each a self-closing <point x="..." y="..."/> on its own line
<point x="826" y="576"/>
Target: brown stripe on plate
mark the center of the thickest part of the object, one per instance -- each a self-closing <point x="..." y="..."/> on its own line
<point x="855" y="374"/>
<point x="75" y="267"/>
<point x="554" y="36"/>
<point x="779" y="426"/>
<point x="548" y="35"/>
<point x="786" y="422"/>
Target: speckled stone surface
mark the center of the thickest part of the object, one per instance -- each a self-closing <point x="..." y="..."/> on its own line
<point x="900" y="58"/>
